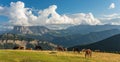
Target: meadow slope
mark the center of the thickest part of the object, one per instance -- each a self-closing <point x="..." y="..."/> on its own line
<point x="54" y="56"/>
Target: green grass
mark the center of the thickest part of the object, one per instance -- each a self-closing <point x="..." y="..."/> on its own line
<point x="50" y="56"/>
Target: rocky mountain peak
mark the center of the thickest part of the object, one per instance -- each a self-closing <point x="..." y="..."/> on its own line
<point x="30" y="30"/>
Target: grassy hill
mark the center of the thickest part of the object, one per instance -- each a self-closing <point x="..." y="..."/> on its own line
<point x="50" y="56"/>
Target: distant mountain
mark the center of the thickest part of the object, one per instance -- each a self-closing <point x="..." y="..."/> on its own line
<point x="109" y="44"/>
<point x="78" y="39"/>
<point x="58" y="26"/>
<point x="38" y="30"/>
<point x="85" y="29"/>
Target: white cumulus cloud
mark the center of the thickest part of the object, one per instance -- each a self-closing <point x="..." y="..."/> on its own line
<point x="112" y="19"/>
<point x="18" y="14"/>
<point x="82" y="18"/>
<point x="112" y="6"/>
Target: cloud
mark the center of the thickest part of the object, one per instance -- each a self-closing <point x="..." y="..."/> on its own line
<point x="110" y="16"/>
<point x="87" y="19"/>
<point x="112" y="19"/>
<point x="18" y="14"/>
<point x="112" y="6"/>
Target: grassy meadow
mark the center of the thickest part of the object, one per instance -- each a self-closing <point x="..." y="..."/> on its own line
<point x="54" y="56"/>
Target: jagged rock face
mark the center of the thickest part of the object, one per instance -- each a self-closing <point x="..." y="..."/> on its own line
<point x="30" y="30"/>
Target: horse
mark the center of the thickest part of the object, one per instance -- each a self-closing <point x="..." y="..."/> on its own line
<point x="16" y="47"/>
<point x="28" y="48"/>
<point x="88" y="53"/>
<point x="59" y="48"/>
<point x="21" y="47"/>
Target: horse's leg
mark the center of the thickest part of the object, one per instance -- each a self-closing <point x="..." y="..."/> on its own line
<point x="90" y="54"/>
<point x="85" y="55"/>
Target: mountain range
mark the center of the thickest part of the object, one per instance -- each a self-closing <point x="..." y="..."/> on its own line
<point x="69" y="37"/>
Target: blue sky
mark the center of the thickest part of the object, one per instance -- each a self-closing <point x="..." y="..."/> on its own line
<point x="97" y="7"/>
<point x="69" y="6"/>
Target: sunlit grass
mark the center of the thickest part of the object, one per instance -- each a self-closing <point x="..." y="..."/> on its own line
<point x="54" y="56"/>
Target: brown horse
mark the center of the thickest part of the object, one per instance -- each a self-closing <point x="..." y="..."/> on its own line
<point x="16" y="47"/>
<point x="59" y="48"/>
<point x="28" y="48"/>
<point x="22" y="48"/>
<point x="88" y="53"/>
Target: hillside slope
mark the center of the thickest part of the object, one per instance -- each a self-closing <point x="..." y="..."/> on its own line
<point x="109" y="44"/>
<point x="85" y="29"/>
